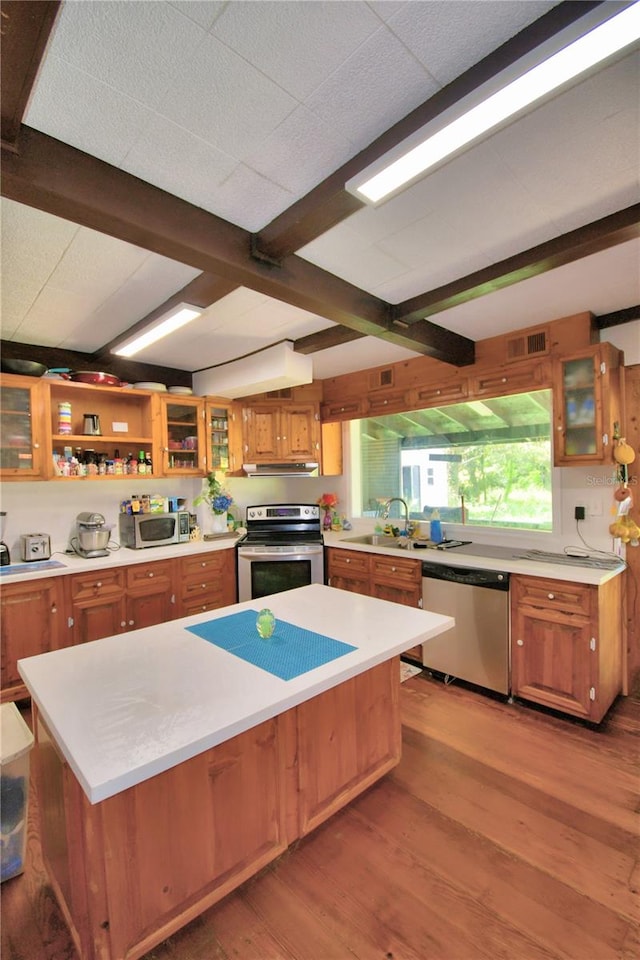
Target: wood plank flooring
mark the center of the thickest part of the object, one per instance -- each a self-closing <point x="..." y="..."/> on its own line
<point x="505" y="832"/>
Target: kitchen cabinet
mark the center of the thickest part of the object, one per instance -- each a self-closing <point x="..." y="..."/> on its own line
<point x="566" y="648"/>
<point x="184" y="443"/>
<point x="349" y="570"/>
<point x="22" y="446"/>
<point x="397" y="579"/>
<point x="586" y="402"/>
<point x="451" y="390"/>
<point x="533" y="374"/>
<point x="97" y="604"/>
<point x="277" y="432"/>
<point x="350" y="408"/>
<point x="32" y="621"/>
<point x="151" y="597"/>
<point x="127" y="419"/>
<point x="207" y="581"/>
<point x="224" y="436"/>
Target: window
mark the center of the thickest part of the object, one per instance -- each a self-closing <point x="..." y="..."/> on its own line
<point x="491" y="459"/>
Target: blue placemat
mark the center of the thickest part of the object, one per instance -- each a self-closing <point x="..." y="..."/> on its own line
<point x="289" y="652"/>
<point x="30" y="567"/>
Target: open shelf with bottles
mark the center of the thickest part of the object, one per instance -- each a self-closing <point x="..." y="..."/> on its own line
<point x="125" y="419"/>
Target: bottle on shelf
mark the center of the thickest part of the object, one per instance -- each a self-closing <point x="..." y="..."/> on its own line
<point x="148" y="463"/>
<point x="142" y="463"/>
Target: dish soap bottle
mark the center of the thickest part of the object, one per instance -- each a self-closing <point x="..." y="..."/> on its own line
<point x="435" y="528"/>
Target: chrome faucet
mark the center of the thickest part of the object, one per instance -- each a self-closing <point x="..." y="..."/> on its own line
<point x="408" y="526"/>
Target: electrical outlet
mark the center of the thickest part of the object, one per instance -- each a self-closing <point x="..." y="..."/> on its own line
<point x="579" y="513"/>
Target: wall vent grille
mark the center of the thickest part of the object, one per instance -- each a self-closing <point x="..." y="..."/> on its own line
<point x="381" y="378"/>
<point x="532" y="344"/>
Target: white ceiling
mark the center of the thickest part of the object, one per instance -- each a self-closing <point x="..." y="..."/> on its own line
<point x="242" y="107"/>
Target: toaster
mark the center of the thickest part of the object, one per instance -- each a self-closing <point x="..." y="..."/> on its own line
<point x="35" y="546"/>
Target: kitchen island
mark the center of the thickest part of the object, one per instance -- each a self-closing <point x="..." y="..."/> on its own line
<point x="169" y="769"/>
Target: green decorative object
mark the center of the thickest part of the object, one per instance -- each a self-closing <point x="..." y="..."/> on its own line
<point x="265" y="623"/>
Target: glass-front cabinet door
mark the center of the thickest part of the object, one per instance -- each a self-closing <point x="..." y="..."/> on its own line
<point x="224" y="437"/>
<point x="587" y="405"/>
<point x="184" y="445"/>
<point x="21" y="443"/>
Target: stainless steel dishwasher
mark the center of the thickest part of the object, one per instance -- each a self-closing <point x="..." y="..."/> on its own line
<point x="476" y="649"/>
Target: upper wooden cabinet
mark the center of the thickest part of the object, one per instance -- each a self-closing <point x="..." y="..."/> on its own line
<point x="184" y="444"/>
<point x="224" y="435"/>
<point x="586" y="402"/>
<point x="281" y="432"/>
<point x="22" y="429"/>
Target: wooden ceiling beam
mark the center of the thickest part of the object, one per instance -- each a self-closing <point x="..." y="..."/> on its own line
<point x="59" y="179"/>
<point x="591" y="238"/>
<point x="617" y="317"/>
<point x="25" y="27"/>
<point x="329" y="203"/>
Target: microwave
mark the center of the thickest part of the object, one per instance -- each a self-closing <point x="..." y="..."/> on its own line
<point x="138" y="530"/>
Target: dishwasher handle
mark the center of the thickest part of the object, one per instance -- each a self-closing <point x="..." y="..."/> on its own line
<point x="491" y="579"/>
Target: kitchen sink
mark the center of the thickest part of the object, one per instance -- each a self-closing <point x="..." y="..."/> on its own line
<point x="374" y="540"/>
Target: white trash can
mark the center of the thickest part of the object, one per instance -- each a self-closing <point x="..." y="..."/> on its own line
<point x="16" y="741"/>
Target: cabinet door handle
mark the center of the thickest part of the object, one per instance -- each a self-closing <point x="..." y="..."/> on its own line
<point x="131" y="622"/>
<point x="123" y="623"/>
<point x="520" y="643"/>
<point x="54" y="609"/>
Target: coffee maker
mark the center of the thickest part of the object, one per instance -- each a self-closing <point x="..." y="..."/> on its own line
<point x="5" y="557"/>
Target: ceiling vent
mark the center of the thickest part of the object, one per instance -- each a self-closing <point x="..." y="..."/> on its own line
<point x="532" y="344"/>
<point x="381" y="378"/>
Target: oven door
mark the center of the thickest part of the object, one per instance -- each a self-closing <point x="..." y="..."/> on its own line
<point x="264" y="569"/>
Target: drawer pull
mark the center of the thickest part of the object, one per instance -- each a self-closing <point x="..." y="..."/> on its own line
<point x="551" y="596"/>
<point x="98" y="584"/>
<point x="393" y="569"/>
<point x="348" y="560"/>
<point x="149" y="574"/>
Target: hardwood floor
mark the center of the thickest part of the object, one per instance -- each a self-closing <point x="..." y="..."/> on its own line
<point x="503" y="833"/>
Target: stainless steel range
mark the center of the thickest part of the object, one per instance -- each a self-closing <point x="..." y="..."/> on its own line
<point x="282" y="549"/>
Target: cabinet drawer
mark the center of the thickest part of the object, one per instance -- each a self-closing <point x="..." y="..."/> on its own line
<point x="402" y="568"/>
<point x="387" y="402"/>
<point x="143" y="574"/>
<point x="208" y="587"/>
<point x="445" y="392"/>
<point x="561" y="595"/>
<point x="343" y="410"/>
<point x="98" y="583"/>
<point x="349" y="562"/>
<point x="203" y="563"/>
<point x="513" y="378"/>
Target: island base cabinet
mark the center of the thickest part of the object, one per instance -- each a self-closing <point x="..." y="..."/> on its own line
<point x="347" y="739"/>
<point x="135" y="868"/>
<point x="131" y="870"/>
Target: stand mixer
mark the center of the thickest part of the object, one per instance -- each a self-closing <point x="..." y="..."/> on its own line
<point x="92" y="536"/>
<point x="5" y="557"/>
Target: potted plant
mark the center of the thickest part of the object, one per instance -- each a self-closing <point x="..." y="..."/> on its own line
<point x="218" y="500"/>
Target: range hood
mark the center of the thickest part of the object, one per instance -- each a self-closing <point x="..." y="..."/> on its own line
<point x="280" y="469"/>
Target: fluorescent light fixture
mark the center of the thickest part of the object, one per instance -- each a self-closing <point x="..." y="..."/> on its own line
<point x="601" y="42"/>
<point x="164" y="325"/>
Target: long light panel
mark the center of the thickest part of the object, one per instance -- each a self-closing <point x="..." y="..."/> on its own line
<point x="587" y="51"/>
<point x="182" y="314"/>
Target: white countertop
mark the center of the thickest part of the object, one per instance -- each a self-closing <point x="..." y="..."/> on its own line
<point x="508" y="564"/>
<point x="121" y="557"/>
<point x="128" y="707"/>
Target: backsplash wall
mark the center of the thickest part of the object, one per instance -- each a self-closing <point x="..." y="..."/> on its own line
<point x="51" y="507"/>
